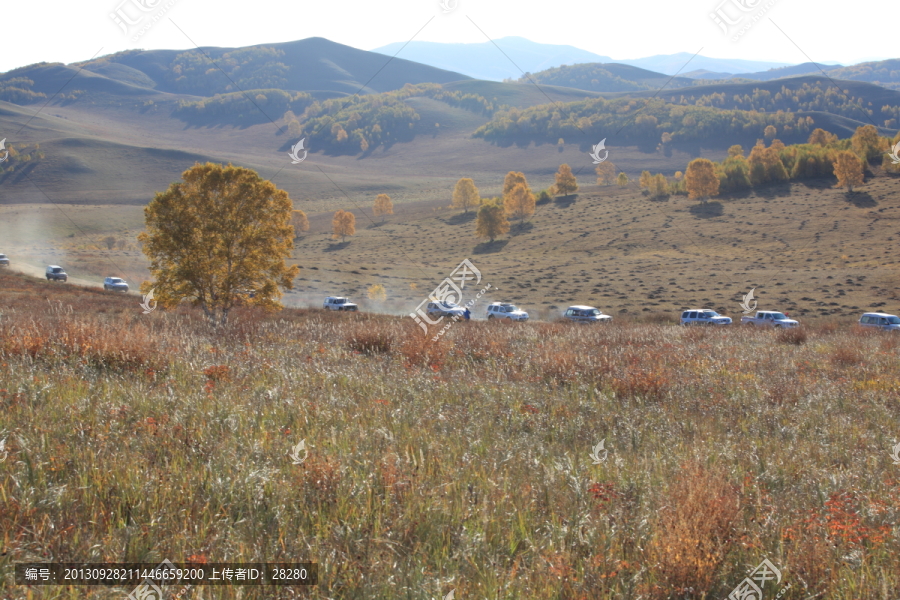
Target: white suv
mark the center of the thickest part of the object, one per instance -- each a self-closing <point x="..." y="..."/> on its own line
<point x="586" y="314"/>
<point x="445" y="309"/>
<point x="880" y="320"/>
<point x="502" y="310"/>
<point x="338" y="303"/>
<point x="706" y="316"/>
<point x="115" y="284"/>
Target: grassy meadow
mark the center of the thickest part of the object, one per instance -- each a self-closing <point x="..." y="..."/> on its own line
<point x="463" y="464"/>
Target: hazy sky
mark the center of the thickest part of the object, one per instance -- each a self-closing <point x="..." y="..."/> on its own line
<point x="826" y="31"/>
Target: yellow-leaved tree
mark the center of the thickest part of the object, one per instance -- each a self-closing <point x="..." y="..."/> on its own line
<point x="848" y="169"/>
<point x="383" y="206"/>
<point x="867" y="143"/>
<point x="701" y="179"/>
<point x="622" y="180"/>
<point x="519" y="203"/>
<point x="821" y="137"/>
<point x="606" y="173"/>
<point x="217" y="238"/>
<point x="512" y="179"/>
<point x="491" y="221"/>
<point x="343" y="224"/>
<point x="565" y="181"/>
<point x="299" y="222"/>
<point x="465" y="195"/>
<point x="377" y="293"/>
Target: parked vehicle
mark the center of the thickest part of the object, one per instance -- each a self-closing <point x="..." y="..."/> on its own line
<point x="339" y="303"/>
<point x="445" y="309"/>
<point x="696" y="316"/>
<point x="504" y="310"/>
<point x="115" y="284"/>
<point x="4" y="260"/>
<point x="56" y="273"/>
<point x="769" y="318"/>
<point x="881" y="321"/>
<point x="586" y="314"/>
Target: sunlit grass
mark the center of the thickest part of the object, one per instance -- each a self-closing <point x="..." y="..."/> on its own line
<point x="458" y="465"/>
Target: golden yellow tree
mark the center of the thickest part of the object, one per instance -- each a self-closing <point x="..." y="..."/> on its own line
<point x="867" y="143"/>
<point x="770" y="132"/>
<point x="821" y="137"/>
<point x="659" y="186"/>
<point x="343" y="224"/>
<point x="491" y="221"/>
<point x="848" y="169"/>
<point x="218" y="233"/>
<point x="519" y="203"/>
<point x="565" y="181"/>
<point x="465" y="195"/>
<point x="736" y="151"/>
<point x="377" y="293"/>
<point x="383" y="206"/>
<point x="606" y="173"/>
<point x="622" y="180"/>
<point x="701" y="179"/>
<point x="299" y="222"/>
<point x="644" y="180"/>
<point x="512" y="179"/>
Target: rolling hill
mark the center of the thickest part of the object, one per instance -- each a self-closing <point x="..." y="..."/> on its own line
<point x="885" y="73"/>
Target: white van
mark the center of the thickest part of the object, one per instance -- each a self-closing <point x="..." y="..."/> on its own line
<point x="881" y="321"/>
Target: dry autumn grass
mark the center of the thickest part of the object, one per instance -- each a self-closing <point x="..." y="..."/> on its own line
<point x="462" y="464"/>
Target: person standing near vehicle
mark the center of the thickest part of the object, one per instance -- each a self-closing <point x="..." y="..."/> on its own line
<point x="467" y="313"/>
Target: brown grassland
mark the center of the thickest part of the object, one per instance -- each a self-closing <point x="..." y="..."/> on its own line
<point x="462" y="464"/>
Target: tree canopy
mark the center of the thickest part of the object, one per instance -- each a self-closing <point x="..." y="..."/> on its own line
<point x="217" y="238"/>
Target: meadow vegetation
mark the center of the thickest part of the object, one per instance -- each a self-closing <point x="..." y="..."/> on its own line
<point x="460" y="465"/>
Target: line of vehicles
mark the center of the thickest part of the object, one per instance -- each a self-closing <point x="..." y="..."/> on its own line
<point x="589" y="314"/>
<point x="578" y="313"/>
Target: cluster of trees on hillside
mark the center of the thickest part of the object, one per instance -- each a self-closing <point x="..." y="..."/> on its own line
<point x="517" y="202"/>
<point x="804" y="97"/>
<point x="591" y="76"/>
<point x="343" y="223"/>
<point x="360" y="123"/>
<point x="253" y="106"/>
<point x="254" y="68"/>
<point x="823" y="155"/>
<point x="18" y="90"/>
<point x="20" y="158"/>
<point x="637" y="121"/>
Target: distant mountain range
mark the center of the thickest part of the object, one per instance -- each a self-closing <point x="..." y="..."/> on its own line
<point x="517" y="55"/>
<point x="511" y="57"/>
